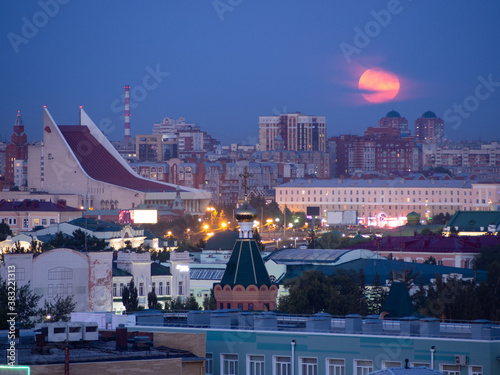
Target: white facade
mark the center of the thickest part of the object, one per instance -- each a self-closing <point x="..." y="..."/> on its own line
<point x="53" y="167"/>
<point x="60" y="273"/>
<point x="380" y="201"/>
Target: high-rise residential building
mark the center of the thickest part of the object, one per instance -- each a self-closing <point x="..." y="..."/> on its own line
<point x="429" y="128"/>
<point x="17" y="149"/>
<point x="293" y="131"/>
<point x="381" y="150"/>
<point x="189" y="136"/>
<point x="394" y="120"/>
<point x="156" y="147"/>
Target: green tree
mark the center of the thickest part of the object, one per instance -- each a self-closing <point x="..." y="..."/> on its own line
<point x="376" y="296"/>
<point x="191" y="304"/>
<point x="60" y="310"/>
<point x="177" y="304"/>
<point x="209" y="302"/>
<point x="153" y="301"/>
<point x="130" y="297"/>
<point x="26" y="304"/>
<point x="4" y="231"/>
<point x="430" y="260"/>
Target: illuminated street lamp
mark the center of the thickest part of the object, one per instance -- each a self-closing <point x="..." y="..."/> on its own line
<point x="224" y="225"/>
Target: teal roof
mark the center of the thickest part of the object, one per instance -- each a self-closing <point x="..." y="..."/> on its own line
<point x="95" y="225"/>
<point x="222" y="241"/>
<point x="429" y="114"/>
<point x="159" y="270"/>
<point x="117" y="272"/>
<point x="385" y="269"/>
<point x="398" y="303"/>
<point x="245" y="267"/>
<point x="393" y="114"/>
<point x="472" y="221"/>
<point x="407" y="371"/>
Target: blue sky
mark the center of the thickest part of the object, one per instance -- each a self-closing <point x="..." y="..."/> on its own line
<point x="223" y="63"/>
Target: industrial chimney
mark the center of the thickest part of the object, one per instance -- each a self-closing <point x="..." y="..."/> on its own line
<point x="127" y="113"/>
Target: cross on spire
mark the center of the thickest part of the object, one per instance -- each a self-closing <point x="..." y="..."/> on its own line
<point x="245" y="176"/>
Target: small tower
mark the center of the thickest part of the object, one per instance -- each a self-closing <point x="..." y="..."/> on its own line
<point x="245" y="284"/>
<point x="177" y="204"/>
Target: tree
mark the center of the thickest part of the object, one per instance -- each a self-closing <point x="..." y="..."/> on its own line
<point x="257" y="238"/>
<point x="209" y="303"/>
<point x="177" y="304"/>
<point x="430" y="260"/>
<point x="130" y="297"/>
<point x="191" y="304"/>
<point x="153" y="301"/>
<point x="26" y="305"/>
<point x="376" y="296"/>
<point x="60" y="310"/>
<point x="4" y="231"/>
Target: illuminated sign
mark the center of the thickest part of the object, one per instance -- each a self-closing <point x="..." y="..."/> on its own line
<point x="182" y="268"/>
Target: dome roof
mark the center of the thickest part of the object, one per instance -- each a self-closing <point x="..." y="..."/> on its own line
<point x="393" y="114"/>
<point x="245" y="212"/>
<point x="429" y="114"/>
<point x="413" y="214"/>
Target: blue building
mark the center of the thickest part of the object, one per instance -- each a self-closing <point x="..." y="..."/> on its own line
<point x="239" y="342"/>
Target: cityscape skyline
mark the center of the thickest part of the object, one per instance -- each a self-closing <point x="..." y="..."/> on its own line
<point x="223" y="64"/>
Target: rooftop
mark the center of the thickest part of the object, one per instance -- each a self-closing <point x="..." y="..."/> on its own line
<point x="101" y="165"/>
<point x="35" y="205"/>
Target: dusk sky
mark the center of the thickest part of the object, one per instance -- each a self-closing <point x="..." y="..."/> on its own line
<point x="221" y="64"/>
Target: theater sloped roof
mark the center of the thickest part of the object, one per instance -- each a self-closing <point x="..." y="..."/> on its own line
<point x="101" y="165"/>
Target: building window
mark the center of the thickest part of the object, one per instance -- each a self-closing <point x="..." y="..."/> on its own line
<point x="308" y="366"/>
<point x="50" y="293"/>
<point x="281" y="366"/>
<point x="450" y="369"/>
<point x="114" y="289"/>
<point x="255" y="365"/>
<point x="389" y="364"/>
<point x="209" y="364"/>
<point x="20" y="273"/>
<point x="420" y="364"/>
<point x="362" y="367"/>
<point x="229" y="364"/>
<point x="60" y="273"/>
<point x="141" y="289"/>
<point x="475" y="370"/>
<point x="160" y="288"/>
<point x="181" y="288"/>
<point x="335" y="367"/>
<point x="167" y="288"/>
<point x="153" y="287"/>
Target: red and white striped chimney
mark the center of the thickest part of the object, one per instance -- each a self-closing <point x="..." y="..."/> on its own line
<point x="127" y="113"/>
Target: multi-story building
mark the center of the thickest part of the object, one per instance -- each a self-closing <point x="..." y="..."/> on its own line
<point x="17" y="149"/>
<point x="381" y="150"/>
<point x="156" y="147"/>
<point x="394" y="120"/>
<point x="79" y="159"/>
<point x="3" y="146"/>
<point x="28" y="214"/>
<point x="189" y="136"/>
<point x="453" y="155"/>
<point x="429" y="128"/>
<point x="275" y="344"/>
<point x="388" y="202"/>
<point x="293" y="131"/>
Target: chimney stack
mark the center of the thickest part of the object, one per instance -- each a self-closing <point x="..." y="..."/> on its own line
<point x="127" y="113"/>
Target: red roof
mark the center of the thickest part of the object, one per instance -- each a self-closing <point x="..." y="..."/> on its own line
<point x="35" y="205"/>
<point x="433" y="243"/>
<point x="101" y="165"/>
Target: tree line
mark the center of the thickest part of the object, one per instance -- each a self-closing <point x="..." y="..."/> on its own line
<point x="346" y="292"/>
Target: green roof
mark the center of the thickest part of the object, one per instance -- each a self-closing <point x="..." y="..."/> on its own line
<point x="222" y="241"/>
<point x="159" y="270"/>
<point x="119" y="272"/>
<point x="472" y="221"/>
<point x="96" y="225"/>
<point x="245" y="267"/>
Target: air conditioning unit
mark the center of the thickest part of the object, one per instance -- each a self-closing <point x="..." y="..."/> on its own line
<point x="460" y="359"/>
